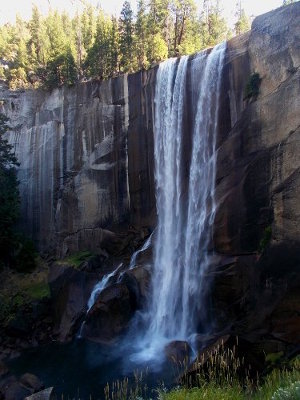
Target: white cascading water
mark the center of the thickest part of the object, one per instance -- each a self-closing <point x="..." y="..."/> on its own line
<point x="184" y="219"/>
<point x="135" y="255"/>
<point x="97" y="290"/>
<point x="100" y="286"/>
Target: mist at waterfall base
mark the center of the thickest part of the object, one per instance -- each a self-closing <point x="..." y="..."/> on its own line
<point x="81" y="370"/>
<point x="186" y="208"/>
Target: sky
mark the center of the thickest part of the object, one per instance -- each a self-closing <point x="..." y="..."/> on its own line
<point x="9" y="8"/>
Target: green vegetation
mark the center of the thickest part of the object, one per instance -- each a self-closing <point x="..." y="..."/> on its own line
<point x="274" y="358"/>
<point x="219" y="375"/>
<point x="75" y="260"/>
<point x="16" y="250"/>
<point x="267" y="236"/>
<point x="59" y="50"/>
<point x="22" y="299"/>
<point x="280" y="384"/>
<point x="207" y="392"/>
<point x="287" y="2"/>
<point x="243" y="22"/>
<point x="279" y="379"/>
<point x="290" y="393"/>
<point x="252" y="87"/>
<point x="38" y="291"/>
<point x="9" y="195"/>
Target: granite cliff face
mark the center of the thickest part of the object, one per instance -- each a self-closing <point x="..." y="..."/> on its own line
<point x="87" y="176"/>
<point x="86" y="161"/>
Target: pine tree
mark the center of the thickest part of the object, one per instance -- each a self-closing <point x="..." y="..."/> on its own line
<point x="214" y="28"/>
<point x="184" y="14"/>
<point x="89" y="27"/>
<point x="243" y="23"/>
<point x="97" y="63"/>
<point x="57" y="50"/>
<point x="126" y="28"/>
<point x="79" y="50"/>
<point x="114" y="48"/>
<point x="36" y="40"/>
<point x="141" y="35"/>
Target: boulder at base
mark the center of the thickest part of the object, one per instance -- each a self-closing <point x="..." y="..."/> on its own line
<point x="47" y="394"/>
<point x="178" y="351"/>
<point x="110" y="315"/>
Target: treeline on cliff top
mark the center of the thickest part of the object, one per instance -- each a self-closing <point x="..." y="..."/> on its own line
<point x="54" y="50"/>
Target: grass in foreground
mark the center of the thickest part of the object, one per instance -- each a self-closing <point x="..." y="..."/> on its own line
<point x="217" y="379"/>
<point x="207" y="392"/>
<point x="278" y="385"/>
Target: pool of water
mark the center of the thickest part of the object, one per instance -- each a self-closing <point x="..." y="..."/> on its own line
<point x="82" y="369"/>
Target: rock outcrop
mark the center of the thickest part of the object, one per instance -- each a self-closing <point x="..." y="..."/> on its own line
<point x="256" y="231"/>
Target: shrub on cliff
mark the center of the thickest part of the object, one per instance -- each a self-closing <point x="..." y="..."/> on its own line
<point x="9" y="194"/>
<point x="252" y="87"/>
<point x="15" y="250"/>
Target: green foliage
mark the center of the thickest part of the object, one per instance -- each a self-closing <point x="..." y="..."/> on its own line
<point x="281" y="384"/>
<point x="75" y="260"/>
<point x="9" y="195"/>
<point x="207" y="392"/>
<point x="55" y="50"/>
<point x="287" y="2"/>
<point x="126" y="28"/>
<point x="213" y="27"/>
<point x="158" y="49"/>
<point x="290" y="393"/>
<point x="38" y="291"/>
<point x="274" y="358"/>
<point x="22" y="299"/>
<point x="61" y="70"/>
<point x="24" y="255"/>
<point x="15" y="250"/>
<point x="141" y="35"/>
<point x="267" y="236"/>
<point x="9" y="307"/>
<point x="17" y="78"/>
<point x="252" y="87"/>
<point x="102" y="58"/>
<point x="243" y="22"/>
<point x="278" y="378"/>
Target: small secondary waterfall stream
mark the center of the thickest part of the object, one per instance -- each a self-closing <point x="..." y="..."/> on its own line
<point x="185" y="213"/>
<point x="135" y="255"/>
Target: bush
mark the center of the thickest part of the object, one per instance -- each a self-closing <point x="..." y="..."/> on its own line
<point x="75" y="260"/>
<point x="252" y="87"/>
<point x="25" y="255"/>
<point x="267" y="236"/>
<point x="17" y="78"/>
<point x="9" y="194"/>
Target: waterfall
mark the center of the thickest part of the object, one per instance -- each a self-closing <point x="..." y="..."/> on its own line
<point x="145" y="246"/>
<point x="97" y="290"/>
<point x="100" y="286"/>
<point x="185" y="212"/>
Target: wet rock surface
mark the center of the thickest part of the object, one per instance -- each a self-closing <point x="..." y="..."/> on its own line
<point x="110" y="315"/>
<point x="46" y="394"/>
<point x="178" y="352"/>
<point x="13" y="389"/>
